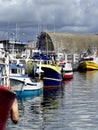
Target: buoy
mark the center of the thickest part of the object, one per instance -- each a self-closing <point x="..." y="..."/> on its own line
<point x="14" y="112"/>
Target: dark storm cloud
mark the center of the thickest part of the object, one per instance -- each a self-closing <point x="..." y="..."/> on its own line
<point x="33" y="16"/>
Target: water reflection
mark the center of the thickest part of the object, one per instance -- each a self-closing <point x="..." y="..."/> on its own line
<point x="50" y="99"/>
<point x="72" y="107"/>
<point x="30" y="112"/>
<point x="81" y="103"/>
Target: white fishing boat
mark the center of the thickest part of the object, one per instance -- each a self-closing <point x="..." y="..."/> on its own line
<point x="21" y="83"/>
<point x="66" y="70"/>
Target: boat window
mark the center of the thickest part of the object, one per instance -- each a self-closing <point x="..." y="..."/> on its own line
<point x="45" y="62"/>
<point x="19" y="71"/>
<point x="23" y="71"/>
<point x="89" y="59"/>
<point x="61" y="65"/>
<point x="85" y="54"/>
<point x="14" y="71"/>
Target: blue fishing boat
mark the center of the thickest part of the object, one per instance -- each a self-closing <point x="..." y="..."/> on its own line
<point x="51" y="72"/>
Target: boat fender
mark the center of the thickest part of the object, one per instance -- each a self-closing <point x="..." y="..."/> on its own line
<point x="35" y="69"/>
<point x="14" y="112"/>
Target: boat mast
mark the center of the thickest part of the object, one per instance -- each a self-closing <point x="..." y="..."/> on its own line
<point x="47" y="44"/>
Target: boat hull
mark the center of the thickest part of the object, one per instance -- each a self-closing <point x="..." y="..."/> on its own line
<point x="7" y="98"/>
<point x="52" y="76"/>
<point x="30" y="89"/>
<point x="25" y="86"/>
<point x="67" y="75"/>
<point x="29" y="93"/>
<point x="88" y="65"/>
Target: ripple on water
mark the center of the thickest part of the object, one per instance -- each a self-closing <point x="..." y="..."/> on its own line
<point x="73" y="107"/>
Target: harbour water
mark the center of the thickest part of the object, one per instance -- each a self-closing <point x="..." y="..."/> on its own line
<point x="72" y="107"/>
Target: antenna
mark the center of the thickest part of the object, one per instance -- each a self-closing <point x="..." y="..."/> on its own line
<point x="16" y="31"/>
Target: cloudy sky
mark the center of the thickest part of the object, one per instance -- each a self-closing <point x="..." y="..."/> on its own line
<point x="27" y="18"/>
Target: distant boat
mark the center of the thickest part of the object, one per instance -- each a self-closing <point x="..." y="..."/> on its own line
<point x="66" y="69"/>
<point x="7" y="97"/>
<point x="88" y="60"/>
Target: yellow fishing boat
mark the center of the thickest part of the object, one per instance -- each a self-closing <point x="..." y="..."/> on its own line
<point x="89" y="60"/>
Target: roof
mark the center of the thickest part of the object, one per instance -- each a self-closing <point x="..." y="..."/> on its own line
<point x="71" y="43"/>
<point x="15" y="66"/>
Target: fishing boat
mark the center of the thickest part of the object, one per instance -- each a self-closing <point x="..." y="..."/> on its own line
<point x="7" y="97"/>
<point x="88" y="60"/>
<point x="52" y="76"/>
<point x="21" y="83"/>
<point x="51" y="73"/>
<point x="66" y="70"/>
